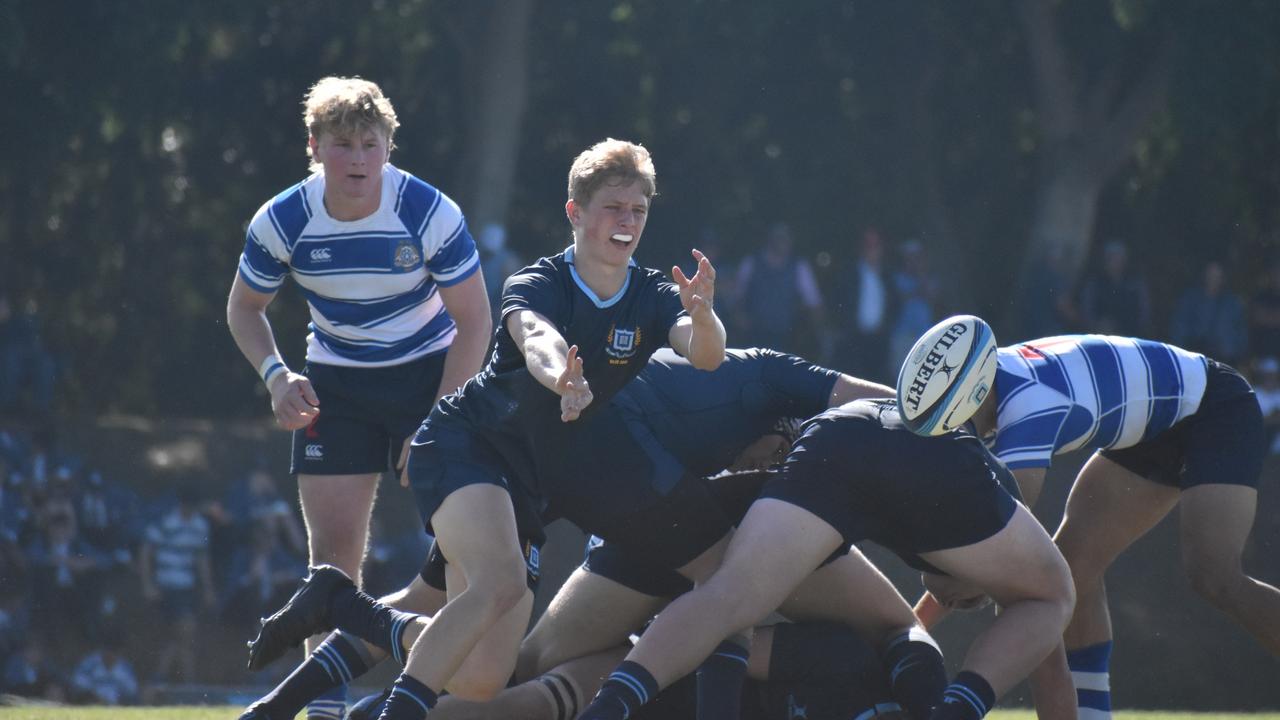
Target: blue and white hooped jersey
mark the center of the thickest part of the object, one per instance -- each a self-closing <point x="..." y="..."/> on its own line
<point x="1089" y="391"/>
<point x="371" y="284"/>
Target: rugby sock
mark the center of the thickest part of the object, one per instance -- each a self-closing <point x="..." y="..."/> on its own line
<point x="381" y="625"/>
<point x="629" y="687"/>
<point x="720" y="679"/>
<point x="331" y="705"/>
<point x="409" y="700"/>
<point x="332" y="665"/>
<point x="968" y="697"/>
<point x="1090" y="670"/>
<point x="917" y="677"/>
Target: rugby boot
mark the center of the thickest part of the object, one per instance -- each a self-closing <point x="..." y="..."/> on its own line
<point x="306" y="614"/>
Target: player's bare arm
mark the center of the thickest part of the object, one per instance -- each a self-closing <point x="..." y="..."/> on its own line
<point x="551" y="361"/>
<point x="293" y="401"/>
<point x="468" y="305"/>
<point x="701" y="336"/>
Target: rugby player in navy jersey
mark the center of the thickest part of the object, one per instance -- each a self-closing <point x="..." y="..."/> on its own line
<point x="575" y="328"/>
<point x="705" y="418"/>
<point x="399" y="313"/>
<point x="857" y="473"/>
<point x="1169" y="428"/>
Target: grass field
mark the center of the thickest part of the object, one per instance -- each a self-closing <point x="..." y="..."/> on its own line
<point x="231" y="713"/>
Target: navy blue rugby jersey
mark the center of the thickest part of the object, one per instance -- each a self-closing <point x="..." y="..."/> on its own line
<point x="706" y="418"/>
<point x="615" y="337"/>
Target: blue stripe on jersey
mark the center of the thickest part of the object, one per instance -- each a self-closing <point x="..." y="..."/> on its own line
<point x="1108" y="383"/>
<point x="259" y="269"/>
<point x="454" y="261"/>
<point x="1035" y="433"/>
<point x="404" y="180"/>
<point x="289" y="214"/>
<point x="416" y="203"/>
<point x="1009" y="385"/>
<point x="369" y="313"/>
<point x="1164" y="382"/>
<point x="1094" y="700"/>
<point x="1050" y="372"/>
<point x="370" y="351"/>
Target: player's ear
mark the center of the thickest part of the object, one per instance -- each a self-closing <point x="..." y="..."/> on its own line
<point x="572" y="211"/>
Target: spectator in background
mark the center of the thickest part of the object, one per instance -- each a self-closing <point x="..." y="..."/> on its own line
<point x="865" y="310"/>
<point x="914" y="293"/>
<point x="107" y="513"/>
<point x="778" y="304"/>
<point x="30" y="673"/>
<point x="104" y="677"/>
<point x="64" y="577"/>
<point x="27" y="369"/>
<point x="177" y="576"/>
<point x="497" y="263"/>
<point x="1264" y="315"/>
<point x="1210" y="319"/>
<point x="262" y="575"/>
<point x="1114" y="298"/>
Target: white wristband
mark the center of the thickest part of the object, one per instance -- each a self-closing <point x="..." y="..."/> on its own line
<point x="269" y="368"/>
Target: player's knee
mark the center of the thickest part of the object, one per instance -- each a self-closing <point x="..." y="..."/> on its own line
<point x="500" y="587"/>
<point x="1214" y="581"/>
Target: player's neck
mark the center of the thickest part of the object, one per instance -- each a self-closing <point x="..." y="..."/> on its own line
<point x="344" y="208"/>
<point x="603" y="279"/>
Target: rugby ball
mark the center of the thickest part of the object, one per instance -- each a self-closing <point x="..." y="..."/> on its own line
<point x="946" y="376"/>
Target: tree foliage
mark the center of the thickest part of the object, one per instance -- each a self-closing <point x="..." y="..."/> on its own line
<point x="142" y="137"/>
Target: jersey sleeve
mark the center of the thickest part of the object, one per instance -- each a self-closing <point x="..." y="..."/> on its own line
<point x="533" y="288"/>
<point x="264" y="264"/>
<point x="797" y="387"/>
<point x="448" y="246"/>
<point x="670" y="309"/>
<point x="1029" y="440"/>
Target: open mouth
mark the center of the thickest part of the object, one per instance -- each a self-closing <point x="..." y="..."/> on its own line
<point x="622" y="238"/>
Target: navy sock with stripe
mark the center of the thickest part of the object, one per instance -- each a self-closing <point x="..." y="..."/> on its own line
<point x="917" y="676"/>
<point x="720" y="679"/>
<point x="380" y="625"/>
<point x="1091" y="673"/>
<point x="968" y="697"/>
<point x="337" y="661"/>
<point x="329" y="705"/>
<point x="629" y="687"/>
<point x="409" y="700"/>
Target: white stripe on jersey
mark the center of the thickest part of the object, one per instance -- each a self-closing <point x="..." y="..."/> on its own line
<point x="1090" y="391"/>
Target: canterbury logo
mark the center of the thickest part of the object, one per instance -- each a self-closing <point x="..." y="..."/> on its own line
<point x="314" y="452"/>
<point x="321" y="255"/>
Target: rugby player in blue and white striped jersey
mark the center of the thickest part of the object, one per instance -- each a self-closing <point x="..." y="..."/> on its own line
<point x="1169" y="427"/>
<point x="399" y="311"/>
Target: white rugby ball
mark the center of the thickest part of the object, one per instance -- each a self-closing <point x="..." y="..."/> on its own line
<point x="946" y="376"/>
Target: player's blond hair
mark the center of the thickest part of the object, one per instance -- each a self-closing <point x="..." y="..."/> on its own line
<point x="347" y="106"/>
<point x="612" y="162"/>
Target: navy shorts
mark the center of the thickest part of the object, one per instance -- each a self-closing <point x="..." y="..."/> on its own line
<point x="1222" y="442"/>
<point x="734" y="493"/>
<point x="908" y="493"/>
<point x="447" y="457"/>
<point x="365" y="415"/>
<point x="433" y="574"/>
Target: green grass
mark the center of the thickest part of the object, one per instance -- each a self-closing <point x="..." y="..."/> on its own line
<point x="227" y="712"/>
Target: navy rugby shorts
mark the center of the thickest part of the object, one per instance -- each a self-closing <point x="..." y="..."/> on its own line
<point x="365" y="415"/>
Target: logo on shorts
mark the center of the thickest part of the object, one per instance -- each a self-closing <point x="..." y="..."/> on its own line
<point x="407" y="256"/>
<point x="314" y="452"/>
<point x="321" y="255"/>
<point x="622" y="344"/>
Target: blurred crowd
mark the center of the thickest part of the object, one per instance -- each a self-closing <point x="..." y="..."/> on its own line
<point x="107" y="591"/>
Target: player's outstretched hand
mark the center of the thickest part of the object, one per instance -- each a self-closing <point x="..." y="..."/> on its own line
<point x="293" y="401"/>
<point x="575" y="393"/>
<point x="697" y="293"/>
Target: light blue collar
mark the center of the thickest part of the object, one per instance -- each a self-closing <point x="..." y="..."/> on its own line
<point x="577" y="279"/>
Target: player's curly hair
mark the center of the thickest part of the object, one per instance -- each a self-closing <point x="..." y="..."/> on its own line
<point x="613" y="162"/>
<point x="347" y="105"/>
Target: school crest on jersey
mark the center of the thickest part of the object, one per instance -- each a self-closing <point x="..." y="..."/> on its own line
<point x="622" y="345"/>
<point x="407" y="256"/>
